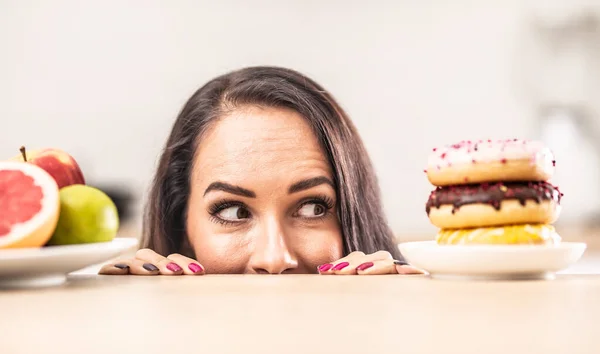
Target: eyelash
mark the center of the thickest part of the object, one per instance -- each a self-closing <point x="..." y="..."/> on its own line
<point x="221" y="205"/>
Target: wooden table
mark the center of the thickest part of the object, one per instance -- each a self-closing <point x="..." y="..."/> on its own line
<point x="302" y="314"/>
<point x="308" y="314"/>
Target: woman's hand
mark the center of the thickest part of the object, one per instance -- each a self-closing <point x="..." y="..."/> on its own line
<point x="148" y="262"/>
<point x="358" y="263"/>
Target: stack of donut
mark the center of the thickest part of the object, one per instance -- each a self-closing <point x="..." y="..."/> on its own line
<point x="493" y="192"/>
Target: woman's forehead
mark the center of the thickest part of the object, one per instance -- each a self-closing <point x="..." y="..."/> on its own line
<point x="264" y="143"/>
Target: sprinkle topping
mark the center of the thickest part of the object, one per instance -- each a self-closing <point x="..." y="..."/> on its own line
<point x="482" y="151"/>
<point x="492" y="194"/>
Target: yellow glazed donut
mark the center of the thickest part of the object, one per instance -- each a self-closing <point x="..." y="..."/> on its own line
<point x="490" y="161"/>
<point x="501" y="235"/>
<point x="468" y="206"/>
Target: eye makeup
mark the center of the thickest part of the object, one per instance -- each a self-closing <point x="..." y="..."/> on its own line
<point x="243" y="214"/>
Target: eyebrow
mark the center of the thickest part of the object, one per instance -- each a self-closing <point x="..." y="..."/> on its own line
<point x="229" y="188"/>
<point x="309" y="183"/>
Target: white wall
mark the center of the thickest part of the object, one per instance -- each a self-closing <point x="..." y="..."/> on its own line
<point x="82" y="76"/>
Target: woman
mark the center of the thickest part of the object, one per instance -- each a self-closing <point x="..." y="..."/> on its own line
<point x="264" y="173"/>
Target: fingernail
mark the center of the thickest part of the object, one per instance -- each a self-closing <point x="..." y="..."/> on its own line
<point x="341" y="266"/>
<point x="174" y="267"/>
<point x="325" y="267"/>
<point x="150" y="267"/>
<point x="121" y="266"/>
<point x="400" y="263"/>
<point x="365" y="266"/>
<point x="195" y="267"/>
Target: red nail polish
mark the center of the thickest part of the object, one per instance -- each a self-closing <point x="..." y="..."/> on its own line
<point x="174" y="267"/>
<point x="325" y="267"/>
<point x="341" y="266"/>
<point x="364" y="266"/>
<point x="196" y="268"/>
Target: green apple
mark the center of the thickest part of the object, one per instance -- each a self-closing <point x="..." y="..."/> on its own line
<point x="87" y="215"/>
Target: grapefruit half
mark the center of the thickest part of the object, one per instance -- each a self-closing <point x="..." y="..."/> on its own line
<point x="29" y="205"/>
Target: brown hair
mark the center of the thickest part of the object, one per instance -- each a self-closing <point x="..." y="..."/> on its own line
<point x="364" y="226"/>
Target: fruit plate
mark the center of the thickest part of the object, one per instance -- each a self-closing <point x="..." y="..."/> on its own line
<point x="492" y="262"/>
<point x="49" y="266"/>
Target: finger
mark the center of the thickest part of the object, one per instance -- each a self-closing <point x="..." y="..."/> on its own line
<point x="381" y="255"/>
<point x="140" y="267"/>
<point x="118" y="267"/>
<point x="406" y="269"/>
<point x="350" y="266"/>
<point x="385" y="266"/>
<point x="165" y="265"/>
<point x="190" y="266"/>
<point x="331" y="268"/>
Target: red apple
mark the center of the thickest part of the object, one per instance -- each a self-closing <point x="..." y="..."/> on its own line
<point x="56" y="162"/>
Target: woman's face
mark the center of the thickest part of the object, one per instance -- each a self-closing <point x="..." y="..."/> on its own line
<point x="262" y="197"/>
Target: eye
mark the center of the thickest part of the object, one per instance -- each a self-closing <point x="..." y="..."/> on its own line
<point x="312" y="210"/>
<point x="233" y="213"/>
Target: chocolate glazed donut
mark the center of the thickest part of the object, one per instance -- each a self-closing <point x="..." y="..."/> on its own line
<point x="492" y="194"/>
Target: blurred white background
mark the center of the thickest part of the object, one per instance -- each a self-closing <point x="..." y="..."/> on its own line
<point x="104" y="80"/>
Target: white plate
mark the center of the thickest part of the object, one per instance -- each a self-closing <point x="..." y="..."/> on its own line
<point x="47" y="266"/>
<point x="492" y="261"/>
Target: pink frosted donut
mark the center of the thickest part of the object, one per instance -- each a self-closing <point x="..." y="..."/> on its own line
<point x="490" y="161"/>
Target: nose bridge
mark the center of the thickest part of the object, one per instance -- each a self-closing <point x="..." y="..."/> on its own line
<point x="271" y="252"/>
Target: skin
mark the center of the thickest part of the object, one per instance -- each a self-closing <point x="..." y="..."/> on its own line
<point x="262" y="201"/>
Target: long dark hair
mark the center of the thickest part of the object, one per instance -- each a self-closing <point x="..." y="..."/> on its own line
<point x="364" y="226"/>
